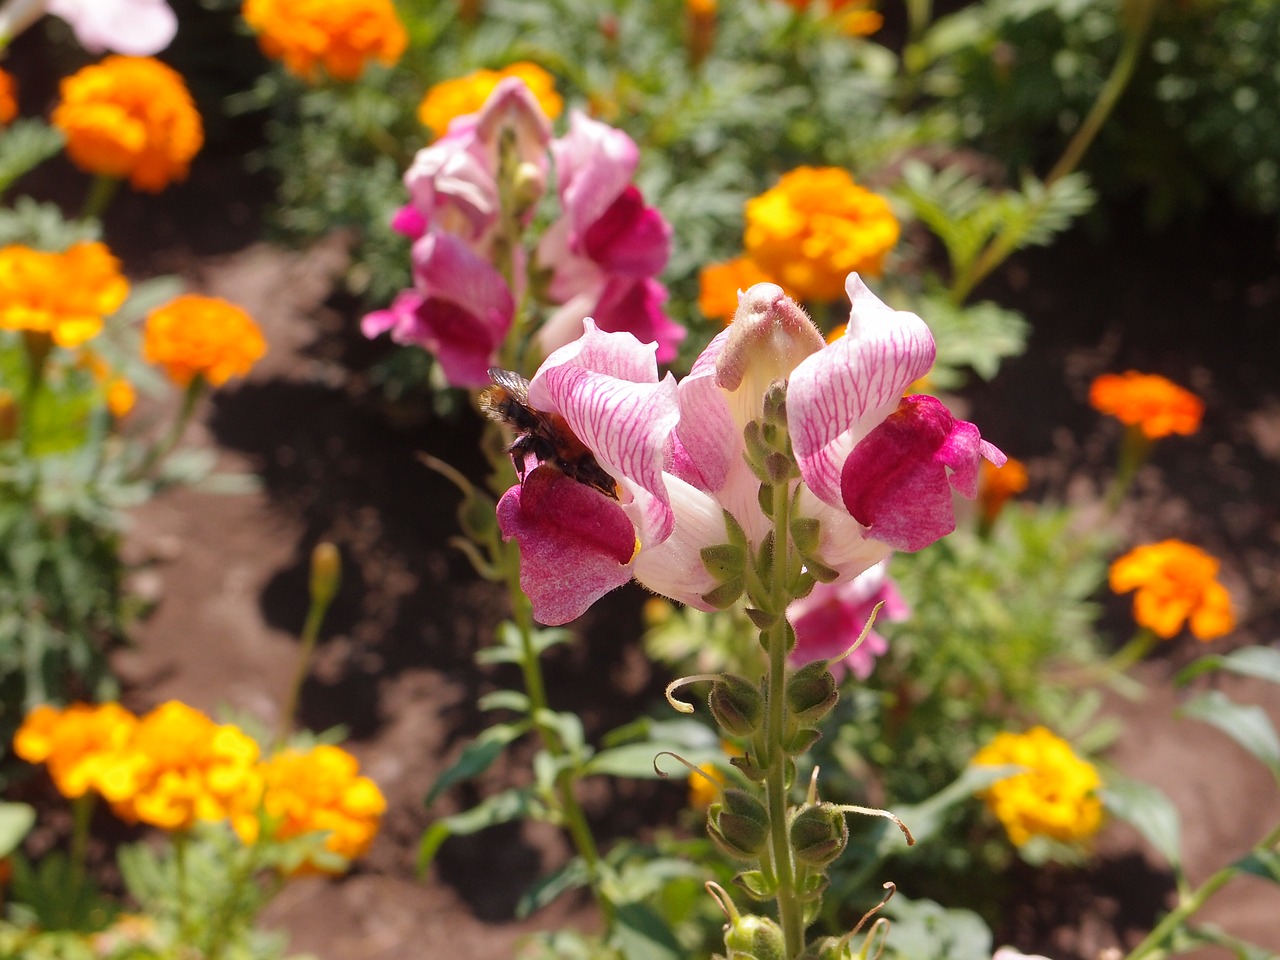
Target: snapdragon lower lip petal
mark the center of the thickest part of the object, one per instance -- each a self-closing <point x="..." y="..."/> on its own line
<point x="895" y="482"/>
<point x="575" y="543"/>
<point x="674" y="566"/>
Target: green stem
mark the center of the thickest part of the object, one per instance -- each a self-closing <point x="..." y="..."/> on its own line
<point x="102" y="190"/>
<point x="1008" y="240"/>
<point x="180" y="866"/>
<point x="575" y="819"/>
<point x="156" y="455"/>
<point x="790" y="910"/>
<point x="82" y="814"/>
<point x="221" y="926"/>
<point x="1188" y="904"/>
<point x="37" y="346"/>
<point x="1133" y="454"/>
<point x="310" y="632"/>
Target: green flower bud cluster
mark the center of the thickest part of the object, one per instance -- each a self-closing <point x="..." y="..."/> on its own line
<point x="754" y="938"/>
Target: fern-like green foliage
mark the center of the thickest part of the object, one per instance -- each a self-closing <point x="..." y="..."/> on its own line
<point x="24" y="145"/>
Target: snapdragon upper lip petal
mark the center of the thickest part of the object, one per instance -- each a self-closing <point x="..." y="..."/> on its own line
<point x="139" y="28"/>
<point x="895" y="482"/>
<point x="595" y="163"/>
<point x="575" y="543"/>
<point x="837" y="395"/>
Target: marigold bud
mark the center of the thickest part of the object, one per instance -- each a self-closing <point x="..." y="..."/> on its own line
<point x="326" y="572"/>
<point x="736" y="705"/>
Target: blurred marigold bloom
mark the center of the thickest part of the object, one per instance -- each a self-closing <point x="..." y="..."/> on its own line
<point x="194" y="335"/>
<point x="1055" y="797"/>
<point x="65" y="295"/>
<point x="998" y="484"/>
<point x="815" y="228"/>
<point x="1176" y="583"/>
<point x="720" y="283"/>
<point x="85" y="747"/>
<point x="130" y="117"/>
<point x="319" y="790"/>
<point x="188" y="768"/>
<point x="1148" y="401"/>
<point x="704" y="791"/>
<point x="340" y="35"/>
<point x="8" y="97"/>
<point x="465" y="95"/>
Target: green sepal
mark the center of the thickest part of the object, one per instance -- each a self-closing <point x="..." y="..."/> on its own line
<point x="754" y="938"/>
<point x="733" y="530"/>
<point x="764" y="497"/>
<point x="736" y="705"/>
<point x="757" y="884"/>
<point x="765" y="558"/>
<point x="781" y="468"/>
<point x="819" y="570"/>
<point x="725" y="595"/>
<point x="739" y="824"/>
<point x="756" y="450"/>
<point x="749" y="768"/>
<point x="806" y="532"/>
<point x="818" y="834"/>
<point x="724" y="561"/>
<point x="801" y="585"/>
<point x="811" y="692"/>
<point x="813" y="886"/>
<point x="763" y="619"/>
<point x="775" y="403"/>
<point x="801" y="741"/>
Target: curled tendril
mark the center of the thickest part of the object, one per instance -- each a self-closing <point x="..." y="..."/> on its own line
<point x="881" y="926"/>
<point x="722" y="899"/>
<point x="679" y="682"/>
<point x="877" y="812"/>
<point x="890" y="889"/>
<point x="692" y="769"/>
<point x="871" y="622"/>
<point x="812" y="796"/>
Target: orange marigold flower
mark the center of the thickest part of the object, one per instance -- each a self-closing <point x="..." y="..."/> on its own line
<point x="719" y="284"/>
<point x="998" y="484"/>
<point x="1157" y="406"/>
<point x="65" y="295"/>
<point x="1055" y="797"/>
<point x="119" y="392"/>
<point x="188" y="768"/>
<point x="319" y="790"/>
<point x="341" y="36"/>
<point x="852" y="16"/>
<point x="8" y="97"/>
<point x="130" y="117"/>
<point x="464" y="95"/>
<point x="194" y="335"/>
<point x="85" y="747"/>
<point x="815" y="227"/>
<point x="1176" y="583"/>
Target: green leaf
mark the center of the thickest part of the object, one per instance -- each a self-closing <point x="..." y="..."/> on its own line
<point x="571" y="876"/>
<point x="636" y="760"/>
<point x="640" y="934"/>
<point x="925" y="818"/>
<point x="1260" y="662"/>
<point x="16" y="821"/>
<point x="512" y="700"/>
<point x="24" y="146"/>
<point x="476" y="757"/>
<point x="1247" y="725"/>
<point x="502" y="807"/>
<point x="1261" y="863"/>
<point x="1148" y="811"/>
<point x="756" y="884"/>
<point x="922" y="928"/>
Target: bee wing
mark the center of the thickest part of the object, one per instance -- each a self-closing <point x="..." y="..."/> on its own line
<point x="512" y="382"/>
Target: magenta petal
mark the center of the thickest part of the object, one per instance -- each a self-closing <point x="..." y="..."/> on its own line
<point x="629" y="238"/>
<point x="635" y="307"/>
<point x="895" y="481"/>
<point x="575" y="543"/>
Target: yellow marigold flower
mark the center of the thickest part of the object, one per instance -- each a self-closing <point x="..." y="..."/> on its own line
<point x="65" y="295"/>
<point x="341" y="36"/>
<point x="1157" y="406"/>
<point x="130" y="117"/>
<point x="1056" y="796"/>
<point x="815" y="227"/>
<point x="464" y="95"/>
<point x="703" y="791"/>
<point x="85" y="747"/>
<point x="719" y="283"/>
<point x="8" y="97"/>
<point x="319" y="790"/>
<point x="1176" y="583"/>
<point x="189" y="768"/>
<point x="209" y="337"/>
<point x="997" y="484"/>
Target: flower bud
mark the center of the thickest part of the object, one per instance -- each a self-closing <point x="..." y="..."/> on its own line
<point x="326" y="571"/>
<point x="811" y="692"/>
<point x="736" y="705"/>
<point x="739" y="824"/>
<point x="819" y="834"/>
<point x="828" y="948"/>
<point x="754" y="938"/>
<point x="529" y="183"/>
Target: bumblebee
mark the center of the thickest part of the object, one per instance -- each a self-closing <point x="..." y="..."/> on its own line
<point x="544" y="435"/>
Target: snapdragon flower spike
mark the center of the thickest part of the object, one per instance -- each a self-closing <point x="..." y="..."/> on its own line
<point x="832" y="615"/>
<point x="607" y="247"/>
<point x="575" y="543"/>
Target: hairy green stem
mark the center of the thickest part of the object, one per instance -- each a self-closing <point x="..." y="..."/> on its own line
<point x="790" y="910"/>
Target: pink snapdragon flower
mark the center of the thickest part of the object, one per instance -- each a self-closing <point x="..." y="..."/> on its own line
<point x="677" y="453"/>
<point x="833" y="616"/>
<point x="138" y="28"/>
<point x="607" y="247"/>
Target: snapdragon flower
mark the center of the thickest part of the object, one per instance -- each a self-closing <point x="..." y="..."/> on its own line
<point x="833" y="616"/>
<point x="876" y="468"/>
<point x="139" y="28"/>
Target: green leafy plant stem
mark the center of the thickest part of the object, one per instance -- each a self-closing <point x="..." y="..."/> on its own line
<point x="322" y="592"/>
<point x="221" y="925"/>
<point x="1133" y="454"/>
<point x="156" y="455"/>
<point x="102" y="190"/>
<point x="790" y="910"/>
<point x="180" y="842"/>
<point x="575" y="820"/>
<point x="81" y="817"/>
<point x="37" y="345"/>
<point x="1008" y="240"/>
<point x="1155" y="943"/>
